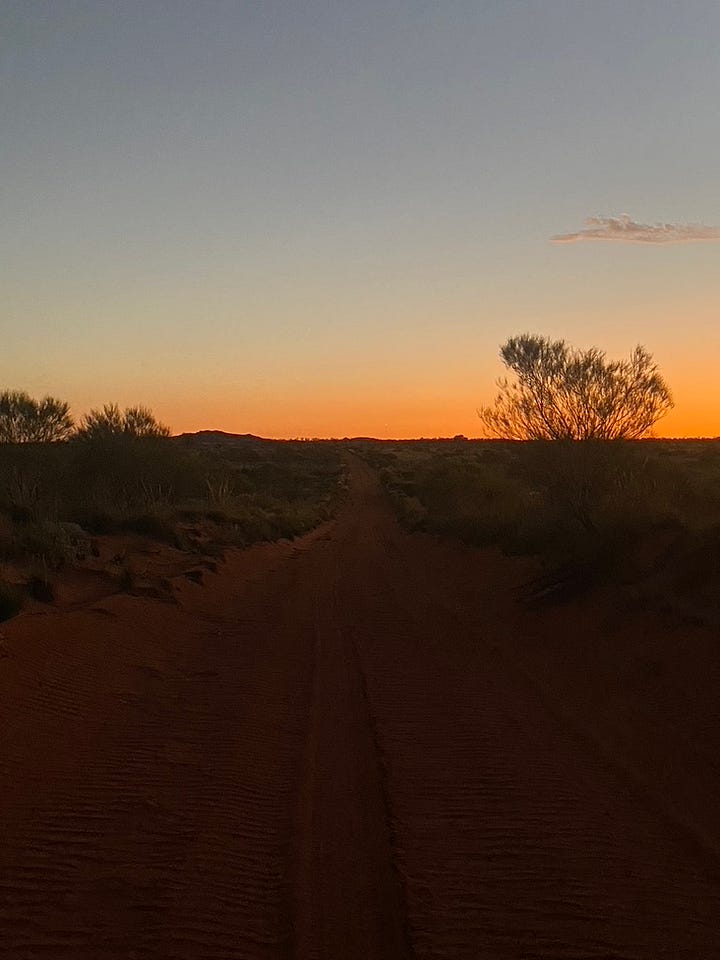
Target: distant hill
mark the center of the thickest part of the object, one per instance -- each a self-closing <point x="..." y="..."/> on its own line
<point x="220" y="438"/>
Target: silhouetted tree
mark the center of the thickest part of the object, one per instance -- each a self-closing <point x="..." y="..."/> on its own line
<point x="26" y="420"/>
<point x="562" y="393"/>
<point x="111" y="423"/>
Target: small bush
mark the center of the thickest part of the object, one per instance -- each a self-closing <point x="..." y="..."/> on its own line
<point x="26" y="420"/>
<point x="111" y="424"/>
<point x="53" y="543"/>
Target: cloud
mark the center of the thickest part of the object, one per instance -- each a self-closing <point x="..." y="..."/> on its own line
<point x="625" y="229"/>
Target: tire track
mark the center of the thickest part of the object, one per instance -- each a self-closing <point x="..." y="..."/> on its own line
<point x="349" y="900"/>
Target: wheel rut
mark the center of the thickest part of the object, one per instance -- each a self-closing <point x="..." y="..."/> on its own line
<point x="348" y="894"/>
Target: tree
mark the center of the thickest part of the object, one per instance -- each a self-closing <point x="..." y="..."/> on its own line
<point x="562" y="393"/>
<point x="25" y="420"/>
<point x="111" y="423"/>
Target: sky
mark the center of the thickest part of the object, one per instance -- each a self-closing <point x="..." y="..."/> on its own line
<point x="308" y="218"/>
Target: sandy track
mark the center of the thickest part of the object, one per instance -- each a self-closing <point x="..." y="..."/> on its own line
<point x="322" y="753"/>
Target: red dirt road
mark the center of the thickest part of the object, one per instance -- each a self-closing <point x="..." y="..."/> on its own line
<point x="327" y="752"/>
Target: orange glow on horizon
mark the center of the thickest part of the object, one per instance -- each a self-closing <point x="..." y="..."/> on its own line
<point x="409" y="405"/>
<point x="407" y="419"/>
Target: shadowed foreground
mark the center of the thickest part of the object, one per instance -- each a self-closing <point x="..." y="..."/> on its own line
<point x="323" y="752"/>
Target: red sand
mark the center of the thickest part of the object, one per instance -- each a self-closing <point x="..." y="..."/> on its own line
<point x="355" y="746"/>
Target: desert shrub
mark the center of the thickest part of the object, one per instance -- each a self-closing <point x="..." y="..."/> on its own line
<point x="562" y="393"/>
<point x="22" y="497"/>
<point x="26" y="420"/>
<point x="221" y="488"/>
<point x="32" y="479"/>
<point x="461" y="497"/>
<point x="598" y="500"/>
<point x="251" y="528"/>
<point x="126" y="479"/>
<point x="11" y="600"/>
<point x="247" y="490"/>
<point x="628" y="512"/>
<point x="293" y="519"/>
<point x="111" y="423"/>
<point x="52" y="543"/>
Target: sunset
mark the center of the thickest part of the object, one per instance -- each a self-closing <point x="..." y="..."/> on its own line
<point x="359" y="480"/>
<point x="322" y="220"/>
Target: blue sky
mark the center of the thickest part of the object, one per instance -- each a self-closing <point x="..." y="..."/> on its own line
<point x="311" y="218"/>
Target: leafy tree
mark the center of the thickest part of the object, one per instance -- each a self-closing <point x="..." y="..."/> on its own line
<point x="25" y="420"/>
<point x="562" y="393"/>
<point x="111" y="423"/>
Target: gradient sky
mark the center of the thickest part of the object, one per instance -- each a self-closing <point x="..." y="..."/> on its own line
<point x="308" y="218"/>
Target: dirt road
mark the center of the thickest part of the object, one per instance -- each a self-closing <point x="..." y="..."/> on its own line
<point x="322" y="753"/>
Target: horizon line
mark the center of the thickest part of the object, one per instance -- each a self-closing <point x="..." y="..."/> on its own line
<point x="459" y="438"/>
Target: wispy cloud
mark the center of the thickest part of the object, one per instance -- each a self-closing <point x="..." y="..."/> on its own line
<point x="625" y="229"/>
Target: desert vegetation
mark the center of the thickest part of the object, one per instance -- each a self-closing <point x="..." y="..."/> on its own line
<point x="562" y="393"/>
<point x="569" y="481"/>
<point x="111" y="423"/>
<point x="120" y="473"/>
<point x="642" y="516"/>
<point x="572" y="481"/>
<point x="26" y="420"/>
